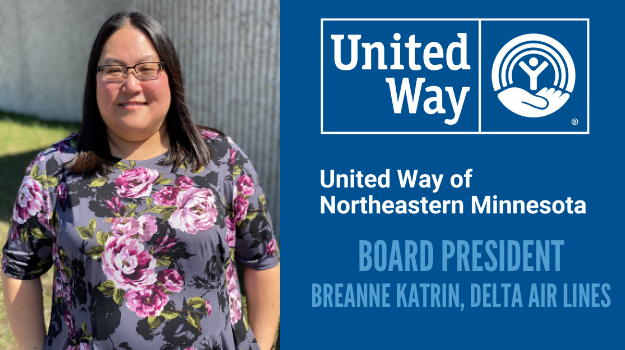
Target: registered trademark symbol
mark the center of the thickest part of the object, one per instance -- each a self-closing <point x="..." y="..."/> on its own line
<point x="574" y="121"/>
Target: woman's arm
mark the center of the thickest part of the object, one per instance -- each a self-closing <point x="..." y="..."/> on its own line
<point x="263" y="303"/>
<point x="23" y="300"/>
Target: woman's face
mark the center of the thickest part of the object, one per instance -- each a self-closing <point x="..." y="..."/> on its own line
<point x="134" y="110"/>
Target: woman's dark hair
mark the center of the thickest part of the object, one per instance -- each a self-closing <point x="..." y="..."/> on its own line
<point x="187" y="144"/>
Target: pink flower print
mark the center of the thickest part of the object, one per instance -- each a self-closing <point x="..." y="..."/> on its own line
<point x="235" y="303"/>
<point x="134" y="183"/>
<point x="171" y="280"/>
<point x="58" y="288"/>
<point x="231" y="238"/>
<point x="233" y="155"/>
<point x="231" y="274"/>
<point x="125" y="226"/>
<point x="230" y="224"/>
<point x="114" y="204"/>
<point x="68" y="294"/>
<point x="62" y="290"/>
<point x="69" y="321"/>
<point x="146" y="302"/>
<point x="208" y="308"/>
<point x="29" y="200"/>
<point x="184" y="182"/>
<point x="67" y="317"/>
<point x="163" y="245"/>
<point x="62" y="272"/>
<point x="166" y="196"/>
<point x="147" y="227"/>
<point x="233" y="293"/>
<point x="126" y="263"/>
<point x="230" y="231"/>
<point x="207" y="134"/>
<point x="82" y="346"/>
<point x="62" y="190"/>
<point x="4" y="264"/>
<point x="196" y="211"/>
<point x="56" y="257"/>
<point x="271" y="247"/>
<point x="245" y="185"/>
<point x="240" y="208"/>
<point x="15" y="234"/>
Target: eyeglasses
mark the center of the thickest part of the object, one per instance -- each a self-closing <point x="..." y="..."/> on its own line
<point x="143" y="71"/>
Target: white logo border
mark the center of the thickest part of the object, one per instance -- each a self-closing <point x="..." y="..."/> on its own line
<point x="480" y="132"/>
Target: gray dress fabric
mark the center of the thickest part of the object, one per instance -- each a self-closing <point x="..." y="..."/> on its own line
<point x="144" y="256"/>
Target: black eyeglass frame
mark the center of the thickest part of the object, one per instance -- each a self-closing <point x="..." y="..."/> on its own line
<point x="161" y="66"/>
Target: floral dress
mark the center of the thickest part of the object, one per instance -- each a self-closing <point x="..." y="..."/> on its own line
<point x="144" y="258"/>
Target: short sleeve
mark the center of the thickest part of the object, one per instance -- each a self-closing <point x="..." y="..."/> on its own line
<point x="27" y="253"/>
<point x="255" y="245"/>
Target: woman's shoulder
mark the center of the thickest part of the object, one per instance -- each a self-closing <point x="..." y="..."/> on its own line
<point x="52" y="158"/>
<point x="219" y="144"/>
<point x="224" y="151"/>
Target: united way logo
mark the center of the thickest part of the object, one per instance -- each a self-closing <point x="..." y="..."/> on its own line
<point x="446" y="76"/>
<point x="532" y="54"/>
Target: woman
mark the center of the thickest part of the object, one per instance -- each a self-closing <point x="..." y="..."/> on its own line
<point x="142" y="215"/>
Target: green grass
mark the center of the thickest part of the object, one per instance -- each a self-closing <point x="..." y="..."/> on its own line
<point x="21" y="138"/>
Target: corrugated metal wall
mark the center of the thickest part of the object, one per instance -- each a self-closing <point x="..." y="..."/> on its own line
<point x="44" y="49"/>
<point x="229" y="52"/>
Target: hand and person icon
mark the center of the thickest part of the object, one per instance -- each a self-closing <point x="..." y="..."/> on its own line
<point x="523" y="103"/>
<point x="533" y="73"/>
<point x="537" y="55"/>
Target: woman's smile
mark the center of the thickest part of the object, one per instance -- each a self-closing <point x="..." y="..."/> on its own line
<point x="132" y="106"/>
